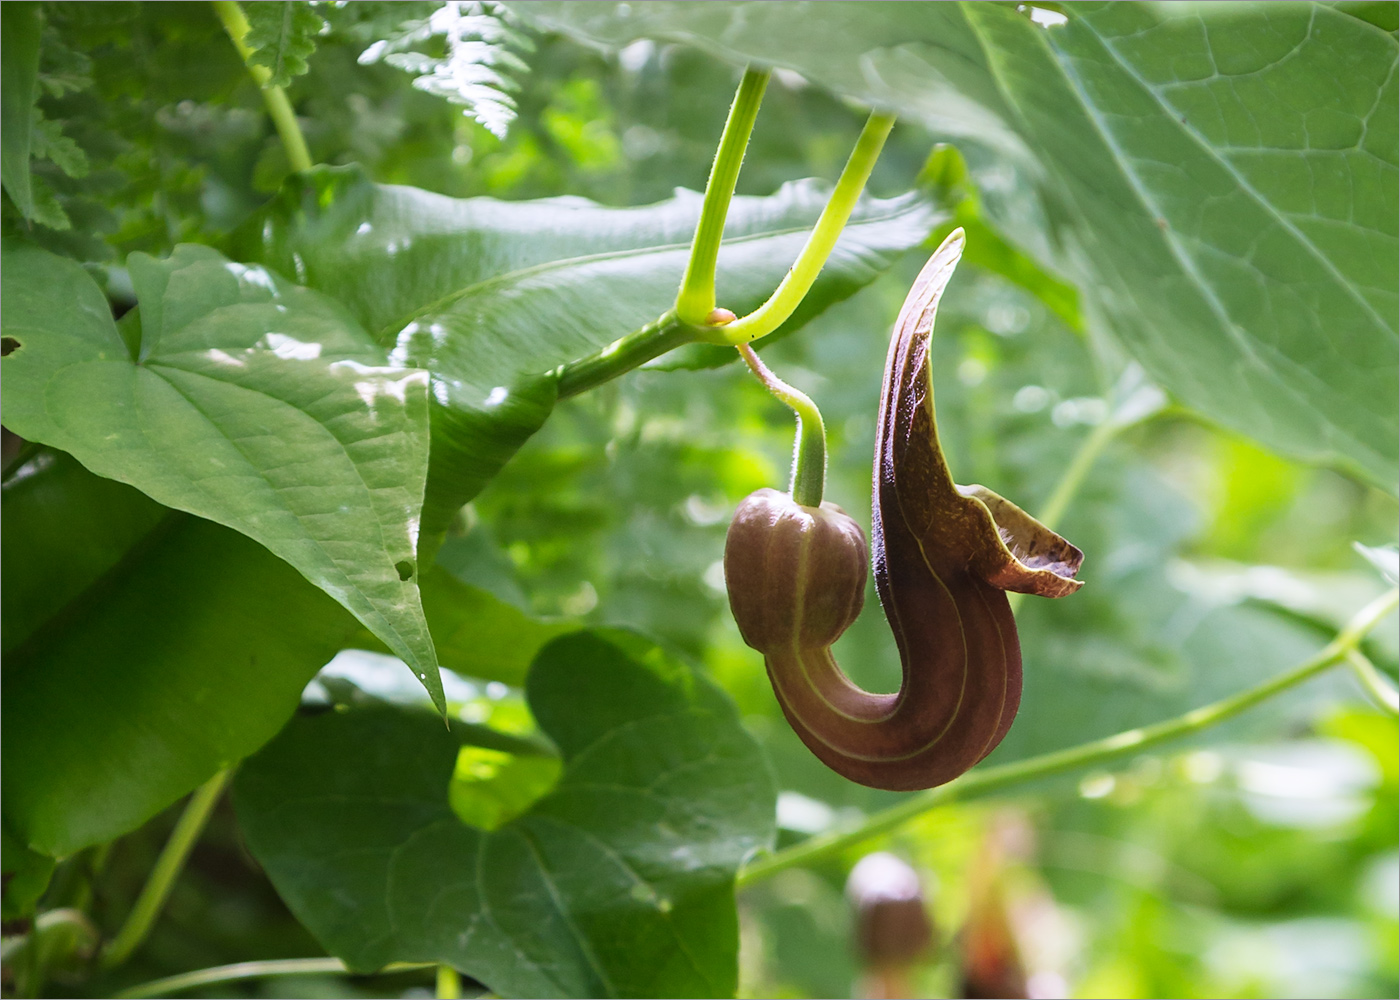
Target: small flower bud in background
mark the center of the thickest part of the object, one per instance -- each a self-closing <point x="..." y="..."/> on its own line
<point x="893" y="930"/>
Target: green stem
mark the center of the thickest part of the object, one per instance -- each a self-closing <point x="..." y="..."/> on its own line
<point x="809" y="450"/>
<point x="172" y="858"/>
<point x="622" y="355"/>
<point x="983" y="781"/>
<point x="1377" y="688"/>
<point x="283" y="117"/>
<point x="253" y="970"/>
<point x="696" y="299"/>
<point x="449" y="983"/>
<point x="1079" y="466"/>
<point x="769" y="316"/>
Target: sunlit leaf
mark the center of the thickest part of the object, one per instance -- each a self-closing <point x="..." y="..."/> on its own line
<point x="242" y="399"/>
<point x="492" y="297"/>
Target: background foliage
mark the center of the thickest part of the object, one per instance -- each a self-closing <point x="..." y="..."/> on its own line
<point x="1181" y="221"/>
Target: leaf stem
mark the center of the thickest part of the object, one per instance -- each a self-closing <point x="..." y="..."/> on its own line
<point x="1079" y="466"/>
<point x="1073" y="478"/>
<point x="696" y="299"/>
<point x="172" y="858"/>
<point x="1377" y="688"/>
<point x="983" y="781"/>
<point x="622" y="355"/>
<point x="449" y="983"/>
<point x="798" y="281"/>
<point x="283" y="117"/>
<point x="809" y="449"/>
<point x="253" y="970"/>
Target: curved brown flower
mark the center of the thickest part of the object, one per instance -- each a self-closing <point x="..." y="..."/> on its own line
<point x="943" y="556"/>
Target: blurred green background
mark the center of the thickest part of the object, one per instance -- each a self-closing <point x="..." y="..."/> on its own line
<point x="1259" y="860"/>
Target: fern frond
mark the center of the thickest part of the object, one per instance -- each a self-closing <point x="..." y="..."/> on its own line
<point x="475" y="71"/>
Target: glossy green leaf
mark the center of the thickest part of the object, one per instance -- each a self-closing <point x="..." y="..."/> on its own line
<point x="492" y="296"/>
<point x="242" y="399"/>
<point x="20" y="25"/>
<point x="1219" y="179"/>
<point x="618" y="883"/>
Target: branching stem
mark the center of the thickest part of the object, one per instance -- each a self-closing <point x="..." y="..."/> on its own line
<point x="622" y="355"/>
<point x="1377" y="688"/>
<point x="794" y="287"/>
<point x="983" y="781"/>
<point x="809" y="450"/>
<point x="283" y="117"/>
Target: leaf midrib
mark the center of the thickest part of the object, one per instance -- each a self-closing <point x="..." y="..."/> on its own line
<point x="562" y="263"/>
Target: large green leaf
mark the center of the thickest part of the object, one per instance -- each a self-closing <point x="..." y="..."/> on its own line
<point x="1219" y="179"/>
<point x="145" y="650"/>
<point x="166" y="663"/>
<point x="242" y="399"/>
<point x="493" y="296"/>
<point x="618" y="883"/>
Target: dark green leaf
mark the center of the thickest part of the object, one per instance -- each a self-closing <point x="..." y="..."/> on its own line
<point x="479" y="635"/>
<point x="185" y="659"/>
<point x="20" y="25"/>
<point x="67" y="529"/>
<point x="1219" y="179"/>
<point x="26" y="877"/>
<point x="242" y="399"/>
<point x="618" y="883"/>
<point x="492" y="296"/>
<point x="146" y="650"/>
<point x="282" y="36"/>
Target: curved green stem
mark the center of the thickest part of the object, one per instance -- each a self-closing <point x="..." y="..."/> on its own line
<point x="696" y="299"/>
<point x="622" y="355"/>
<point x="172" y="858"/>
<point x="809" y="450"/>
<point x="986" y="780"/>
<point x="253" y="970"/>
<point x="781" y="304"/>
<point x="283" y="117"/>
<point x="1377" y="688"/>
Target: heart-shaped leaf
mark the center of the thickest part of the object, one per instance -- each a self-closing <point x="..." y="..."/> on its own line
<point x="1219" y="179"/>
<point x="620" y="882"/>
<point x="493" y="296"/>
<point x="242" y="399"/>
